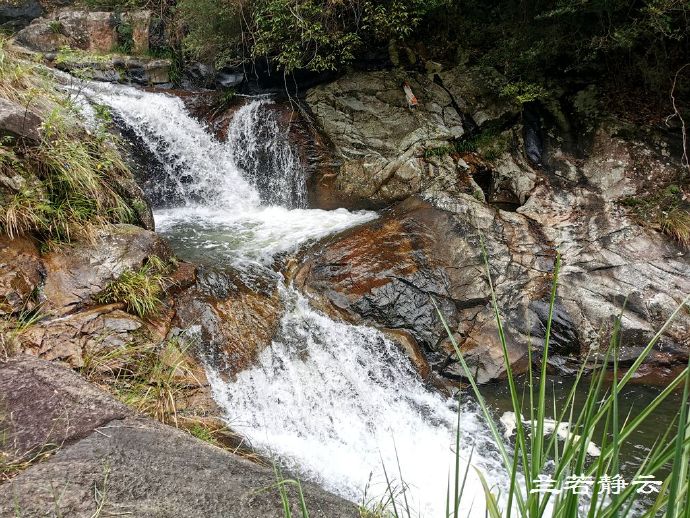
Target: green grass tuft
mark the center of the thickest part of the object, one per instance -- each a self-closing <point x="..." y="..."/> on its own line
<point x="140" y="290"/>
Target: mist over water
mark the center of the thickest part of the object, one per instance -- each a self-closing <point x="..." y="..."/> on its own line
<point x="332" y="401"/>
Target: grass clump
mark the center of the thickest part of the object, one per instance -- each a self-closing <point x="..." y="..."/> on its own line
<point x="149" y="378"/>
<point x="488" y="143"/>
<point x="66" y="185"/>
<point x="666" y="210"/>
<point x="140" y="290"/>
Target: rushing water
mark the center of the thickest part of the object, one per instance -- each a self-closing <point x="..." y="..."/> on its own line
<point x="333" y="402"/>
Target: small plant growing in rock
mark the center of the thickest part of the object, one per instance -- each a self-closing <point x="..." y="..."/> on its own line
<point x="666" y="210"/>
<point x="140" y="290"/>
<point x="55" y="27"/>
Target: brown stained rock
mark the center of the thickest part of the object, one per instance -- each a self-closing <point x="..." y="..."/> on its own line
<point x="70" y="338"/>
<point x="233" y="322"/>
<point x="387" y="272"/>
<point x="75" y="274"/>
<point x="44" y="404"/>
<point x="20" y="274"/>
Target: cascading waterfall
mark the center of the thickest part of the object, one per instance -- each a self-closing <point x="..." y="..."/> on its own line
<point x="334" y="402"/>
<point x="260" y="149"/>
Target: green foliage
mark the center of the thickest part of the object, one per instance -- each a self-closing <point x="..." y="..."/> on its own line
<point x="215" y="30"/>
<point x="521" y="92"/>
<point x="302" y="34"/>
<point x="624" y="43"/>
<point x="125" y="38"/>
<point x="488" y="143"/>
<point x="55" y="26"/>
<point x="139" y="290"/>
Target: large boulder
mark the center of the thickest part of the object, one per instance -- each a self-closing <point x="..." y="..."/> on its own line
<point x="44" y="406"/>
<point x="375" y="150"/>
<point x="19" y="122"/>
<point x="111" y="462"/>
<point x="99" y="32"/>
<point x="395" y="271"/>
<point x="378" y="141"/>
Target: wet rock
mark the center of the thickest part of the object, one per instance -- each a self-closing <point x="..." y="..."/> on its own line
<point x="139" y="466"/>
<point x="76" y="273"/>
<point x="232" y="321"/>
<point x="386" y="273"/>
<point x="43" y="404"/>
<point x="15" y="14"/>
<point x="21" y="273"/>
<point x="19" y="122"/>
<point x="390" y="272"/>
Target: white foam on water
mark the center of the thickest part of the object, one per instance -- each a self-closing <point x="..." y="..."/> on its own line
<point x="256" y="235"/>
<point x="336" y="401"/>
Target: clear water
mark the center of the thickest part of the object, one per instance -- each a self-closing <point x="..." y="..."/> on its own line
<point x="333" y="402"/>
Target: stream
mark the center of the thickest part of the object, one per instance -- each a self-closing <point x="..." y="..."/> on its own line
<point x="333" y="403"/>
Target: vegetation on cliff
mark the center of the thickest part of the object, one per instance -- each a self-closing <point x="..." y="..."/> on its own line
<point x="66" y="182"/>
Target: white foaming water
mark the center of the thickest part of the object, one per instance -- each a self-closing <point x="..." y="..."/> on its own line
<point x="332" y="401"/>
<point x="217" y="209"/>
<point x="260" y="148"/>
<point x="335" y="402"/>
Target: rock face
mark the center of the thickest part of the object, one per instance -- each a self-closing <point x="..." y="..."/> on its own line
<point x="136" y="465"/>
<point x="379" y="151"/>
<point x="378" y="140"/>
<point x="21" y="273"/>
<point x="387" y="272"/>
<point x="19" y="122"/>
<point x="99" y="32"/>
<point x="120" y="69"/>
<point x="531" y="189"/>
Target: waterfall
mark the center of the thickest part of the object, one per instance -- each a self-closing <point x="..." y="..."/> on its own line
<point x="263" y="152"/>
<point x="337" y="403"/>
<point x="334" y="402"/>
